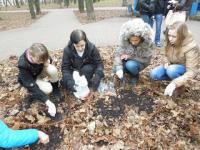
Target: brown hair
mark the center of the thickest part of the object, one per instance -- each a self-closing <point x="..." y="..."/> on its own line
<point x="182" y="32"/>
<point x="39" y="51"/>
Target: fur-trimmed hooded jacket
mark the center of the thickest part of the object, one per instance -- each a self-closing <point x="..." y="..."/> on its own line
<point x="142" y="52"/>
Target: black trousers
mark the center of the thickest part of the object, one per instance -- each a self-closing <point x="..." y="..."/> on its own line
<point x="88" y="71"/>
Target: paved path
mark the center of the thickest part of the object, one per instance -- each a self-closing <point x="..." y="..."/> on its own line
<point x="54" y="29"/>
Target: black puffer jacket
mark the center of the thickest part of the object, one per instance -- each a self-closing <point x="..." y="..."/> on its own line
<point x="71" y="61"/>
<point x="27" y="77"/>
<point x="146" y="7"/>
<point x="160" y="6"/>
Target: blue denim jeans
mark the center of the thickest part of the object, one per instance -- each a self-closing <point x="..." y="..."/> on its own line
<point x="158" y="20"/>
<point x="172" y="72"/>
<point x="132" y="67"/>
<point x="148" y="19"/>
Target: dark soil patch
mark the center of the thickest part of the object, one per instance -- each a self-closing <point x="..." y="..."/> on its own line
<point x="102" y="143"/>
<point x="113" y="107"/>
<point x="55" y="140"/>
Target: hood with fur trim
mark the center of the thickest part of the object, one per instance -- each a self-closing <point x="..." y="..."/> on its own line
<point x="136" y="27"/>
<point x="141" y="52"/>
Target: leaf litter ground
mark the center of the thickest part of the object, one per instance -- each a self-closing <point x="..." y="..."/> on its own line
<point x="139" y="117"/>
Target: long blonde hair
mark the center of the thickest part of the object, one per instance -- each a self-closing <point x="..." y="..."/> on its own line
<point x="182" y="32"/>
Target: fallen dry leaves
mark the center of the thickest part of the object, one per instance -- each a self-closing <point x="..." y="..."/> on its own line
<point x="100" y="15"/>
<point x="137" y="118"/>
<point x="12" y="20"/>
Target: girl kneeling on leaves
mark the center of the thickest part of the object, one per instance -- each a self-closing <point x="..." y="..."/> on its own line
<point x="34" y="64"/>
<point x="183" y="58"/>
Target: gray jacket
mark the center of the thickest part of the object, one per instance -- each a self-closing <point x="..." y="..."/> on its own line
<point x="142" y="52"/>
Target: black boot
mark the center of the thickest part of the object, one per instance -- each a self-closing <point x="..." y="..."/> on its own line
<point x="56" y="90"/>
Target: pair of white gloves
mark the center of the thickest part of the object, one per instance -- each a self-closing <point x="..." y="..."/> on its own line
<point x="169" y="89"/>
<point x="81" y="86"/>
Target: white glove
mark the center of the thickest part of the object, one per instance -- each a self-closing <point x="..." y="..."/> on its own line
<point x="51" y="108"/>
<point x="119" y="73"/>
<point x="43" y="137"/>
<point x="170" y="89"/>
<point x="168" y="6"/>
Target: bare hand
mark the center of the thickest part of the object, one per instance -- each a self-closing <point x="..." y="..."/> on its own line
<point x="47" y="63"/>
<point x="43" y="137"/>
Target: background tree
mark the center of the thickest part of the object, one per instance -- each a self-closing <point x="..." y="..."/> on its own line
<point x="37" y="10"/>
<point x="6" y="2"/>
<point x="81" y="6"/>
<point x="31" y="8"/>
<point x="66" y="3"/>
<point x="21" y="2"/>
<point x="124" y="2"/>
<point x="90" y="9"/>
<point x="60" y="3"/>
<point x="37" y="7"/>
<point x="17" y="3"/>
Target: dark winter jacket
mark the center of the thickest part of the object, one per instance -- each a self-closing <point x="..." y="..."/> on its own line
<point x="160" y="6"/>
<point x="28" y="73"/>
<point x="146" y="7"/>
<point x="183" y="5"/>
<point x="72" y="61"/>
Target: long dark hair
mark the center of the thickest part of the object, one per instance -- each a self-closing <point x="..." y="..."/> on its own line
<point x="77" y="35"/>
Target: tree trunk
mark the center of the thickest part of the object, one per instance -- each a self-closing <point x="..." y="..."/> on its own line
<point x="81" y="6"/>
<point x="37" y="7"/>
<point x="60" y="3"/>
<point x="21" y="2"/>
<point x="7" y="1"/>
<point x="17" y="3"/>
<point x="74" y="1"/>
<point x="45" y="2"/>
<point x="90" y="9"/>
<point x="31" y="8"/>
<point x="66" y="3"/>
<point x="4" y="3"/>
<point x="124" y="2"/>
